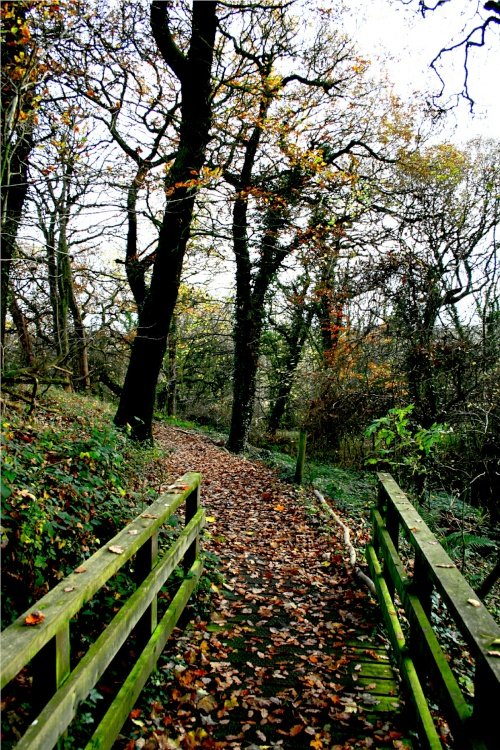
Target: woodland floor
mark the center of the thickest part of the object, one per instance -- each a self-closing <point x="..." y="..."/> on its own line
<point x="293" y="654"/>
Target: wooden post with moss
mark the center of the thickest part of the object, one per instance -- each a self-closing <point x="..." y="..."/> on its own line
<point x="145" y="561"/>
<point x="301" y="457"/>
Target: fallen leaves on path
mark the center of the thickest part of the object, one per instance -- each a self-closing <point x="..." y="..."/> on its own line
<point x="291" y="656"/>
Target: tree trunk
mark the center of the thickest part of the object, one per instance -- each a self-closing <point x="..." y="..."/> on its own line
<point x="135" y="270"/>
<point x="81" y="346"/>
<point x="294" y="343"/>
<point x="13" y="198"/>
<point x="249" y="314"/>
<point x="194" y="73"/>
<point x="171" y="401"/>
<point x="248" y="329"/>
<point x="17" y="144"/>
<point x="23" y="333"/>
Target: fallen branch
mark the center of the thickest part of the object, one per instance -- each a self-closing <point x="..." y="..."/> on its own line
<point x="348" y="544"/>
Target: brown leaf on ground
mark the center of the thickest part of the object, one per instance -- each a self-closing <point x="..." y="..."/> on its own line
<point x="272" y="666"/>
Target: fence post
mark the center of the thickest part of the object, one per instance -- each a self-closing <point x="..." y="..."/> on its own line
<point x="192" y="506"/>
<point x="145" y="561"/>
<point x="50" y="666"/>
<point x="422" y="585"/>
<point x="301" y="457"/>
<point x="391" y="521"/>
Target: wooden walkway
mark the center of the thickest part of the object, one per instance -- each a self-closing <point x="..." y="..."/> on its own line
<point x="285" y="647"/>
<point x="291" y="653"/>
<point x="295" y="654"/>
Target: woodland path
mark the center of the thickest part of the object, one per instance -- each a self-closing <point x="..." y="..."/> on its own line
<point x="294" y="653"/>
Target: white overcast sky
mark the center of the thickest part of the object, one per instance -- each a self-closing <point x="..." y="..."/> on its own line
<point x="406" y="43"/>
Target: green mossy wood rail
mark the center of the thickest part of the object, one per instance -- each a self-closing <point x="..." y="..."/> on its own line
<point x="473" y="726"/>
<point x="19" y="643"/>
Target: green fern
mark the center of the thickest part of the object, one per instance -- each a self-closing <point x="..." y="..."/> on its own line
<point x="475" y="543"/>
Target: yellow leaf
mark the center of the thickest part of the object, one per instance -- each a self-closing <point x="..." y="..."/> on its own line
<point x="211" y="519"/>
<point x="207" y="703"/>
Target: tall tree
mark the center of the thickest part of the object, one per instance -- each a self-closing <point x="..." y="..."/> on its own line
<point x="20" y="75"/>
<point x="446" y="206"/>
<point x="193" y="71"/>
<point x="290" y="138"/>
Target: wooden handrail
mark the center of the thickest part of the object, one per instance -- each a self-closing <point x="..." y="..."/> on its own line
<point x="48" y="643"/>
<point x="433" y="570"/>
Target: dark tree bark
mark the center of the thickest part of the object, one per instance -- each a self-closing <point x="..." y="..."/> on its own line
<point x="171" y="400"/>
<point x="295" y="340"/>
<point x="21" y="324"/>
<point x="17" y="144"/>
<point x="250" y="308"/>
<point x="134" y="268"/>
<point x="247" y="334"/>
<point x="13" y="198"/>
<point x="253" y="280"/>
<point x="194" y="74"/>
<point x="330" y="314"/>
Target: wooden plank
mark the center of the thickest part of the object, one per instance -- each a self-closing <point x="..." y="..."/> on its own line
<point x="61" y="709"/>
<point x="388" y="550"/>
<point x="19" y="643"/>
<point x="105" y="734"/>
<point x="476" y="625"/>
<point x="370" y="669"/>
<point x="426" y="729"/>
<point x="372" y="684"/>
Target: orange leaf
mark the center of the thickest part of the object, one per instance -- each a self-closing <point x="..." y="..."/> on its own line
<point x="296" y="729"/>
<point x="135" y="713"/>
<point x="34" y="618"/>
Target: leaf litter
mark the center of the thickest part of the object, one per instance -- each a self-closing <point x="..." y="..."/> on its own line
<point x="293" y="654"/>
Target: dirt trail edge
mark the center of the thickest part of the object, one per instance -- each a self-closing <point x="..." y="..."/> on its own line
<point x="293" y="655"/>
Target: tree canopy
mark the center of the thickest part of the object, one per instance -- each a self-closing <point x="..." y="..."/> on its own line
<point x="166" y="160"/>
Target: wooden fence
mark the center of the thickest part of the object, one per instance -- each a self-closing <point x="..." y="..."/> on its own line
<point x="47" y="644"/>
<point x="423" y="663"/>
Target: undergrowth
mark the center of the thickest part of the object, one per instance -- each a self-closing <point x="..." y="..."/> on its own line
<point x="68" y="485"/>
<point x="462" y="529"/>
<point x="70" y="482"/>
